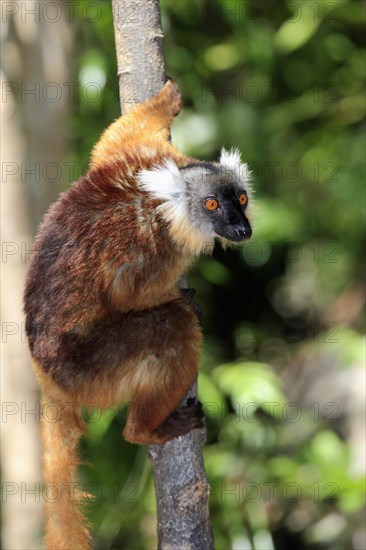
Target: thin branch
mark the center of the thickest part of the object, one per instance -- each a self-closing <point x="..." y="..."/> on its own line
<point x="139" y="48"/>
<point x="182" y="490"/>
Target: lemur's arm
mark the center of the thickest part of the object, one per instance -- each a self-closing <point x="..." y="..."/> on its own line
<point x="150" y="121"/>
<point x="144" y="279"/>
<point x="140" y="286"/>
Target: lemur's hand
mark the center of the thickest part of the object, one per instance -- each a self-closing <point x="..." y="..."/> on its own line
<point x="188" y="295"/>
<point x="171" y="88"/>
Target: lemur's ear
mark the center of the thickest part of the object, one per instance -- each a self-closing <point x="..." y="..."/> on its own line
<point x="163" y="182"/>
<point x="232" y="160"/>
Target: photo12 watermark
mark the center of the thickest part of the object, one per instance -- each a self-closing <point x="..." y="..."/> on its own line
<point x="52" y="12"/>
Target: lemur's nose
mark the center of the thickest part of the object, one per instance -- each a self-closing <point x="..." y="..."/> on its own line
<point x="241" y="233"/>
<point x="244" y="232"/>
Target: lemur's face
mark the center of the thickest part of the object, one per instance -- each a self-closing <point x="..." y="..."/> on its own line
<point x="218" y="199"/>
<point x="203" y="199"/>
<point x="225" y="212"/>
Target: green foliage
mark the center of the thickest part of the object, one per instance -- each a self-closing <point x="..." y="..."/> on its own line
<point x="283" y="82"/>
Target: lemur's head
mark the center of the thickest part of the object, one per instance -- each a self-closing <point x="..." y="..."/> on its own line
<point x="203" y="200"/>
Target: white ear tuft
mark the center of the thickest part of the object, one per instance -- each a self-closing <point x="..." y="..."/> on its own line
<point x="163" y="182"/>
<point x="232" y="160"/>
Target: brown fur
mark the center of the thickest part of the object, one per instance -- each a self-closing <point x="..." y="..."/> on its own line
<point x="61" y="429"/>
<point x="105" y="320"/>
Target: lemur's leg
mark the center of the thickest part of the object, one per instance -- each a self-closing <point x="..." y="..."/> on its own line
<point x="171" y="338"/>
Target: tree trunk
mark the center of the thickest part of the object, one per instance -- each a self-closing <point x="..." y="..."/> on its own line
<point x="33" y="149"/>
<point x="182" y="490"/>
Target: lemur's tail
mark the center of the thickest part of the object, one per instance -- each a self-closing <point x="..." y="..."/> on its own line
<point x="61" y="429"/>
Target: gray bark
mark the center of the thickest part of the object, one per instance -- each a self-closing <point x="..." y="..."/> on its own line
<point x="20" y="449"/>
<point x="139" y="48"/>
<point x="182" y="490"/>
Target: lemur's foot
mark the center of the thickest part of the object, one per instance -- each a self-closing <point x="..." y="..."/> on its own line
<point x="181" y="421"/>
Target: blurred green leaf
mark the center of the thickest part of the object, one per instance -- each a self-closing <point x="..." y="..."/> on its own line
<point x="211" y="397"/>
<point x="251" y="382"/>
<point x="326" y="448"/>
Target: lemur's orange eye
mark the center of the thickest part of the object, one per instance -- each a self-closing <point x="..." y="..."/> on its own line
<point x="243" y="199"/>
<point x="211" y="204"/>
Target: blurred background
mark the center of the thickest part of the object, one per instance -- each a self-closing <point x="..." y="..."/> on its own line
<point x="282" y="370"/>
